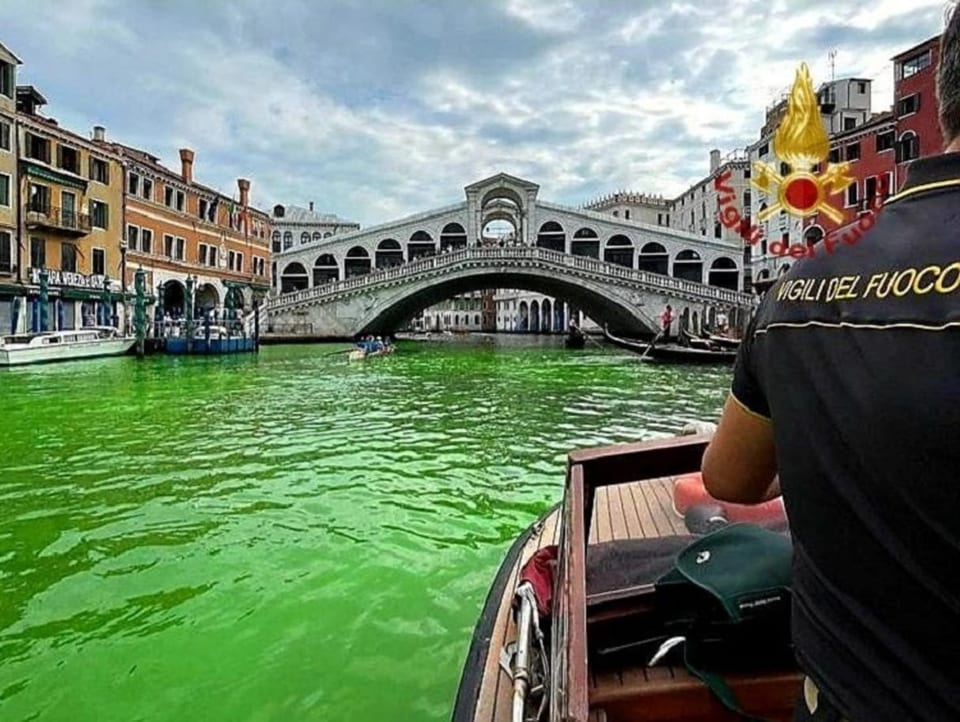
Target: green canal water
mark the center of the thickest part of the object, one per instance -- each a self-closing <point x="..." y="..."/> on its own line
<point x="286" y="536"/>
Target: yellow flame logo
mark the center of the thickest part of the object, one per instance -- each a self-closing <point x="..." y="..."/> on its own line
<point x="802" y="142"/>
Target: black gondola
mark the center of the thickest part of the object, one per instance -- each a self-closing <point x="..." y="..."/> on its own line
<point x="671" y="352"/>
<point x="575" y="338"/>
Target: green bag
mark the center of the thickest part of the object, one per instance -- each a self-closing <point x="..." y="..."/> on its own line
<point x="729" y="596"/>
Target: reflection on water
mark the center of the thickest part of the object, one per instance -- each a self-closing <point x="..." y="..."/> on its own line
<point x="287" y="536"/>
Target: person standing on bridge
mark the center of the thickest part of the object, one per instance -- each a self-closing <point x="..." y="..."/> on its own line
<point x="827" y="403"/>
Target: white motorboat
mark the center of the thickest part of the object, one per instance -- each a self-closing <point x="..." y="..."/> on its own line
<point x="63" y="345"/>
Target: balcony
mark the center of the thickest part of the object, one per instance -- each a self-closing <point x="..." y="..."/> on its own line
<point x="58" y="220"/>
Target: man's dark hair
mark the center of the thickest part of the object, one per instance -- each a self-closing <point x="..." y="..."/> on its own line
<point x="948" y="78"/>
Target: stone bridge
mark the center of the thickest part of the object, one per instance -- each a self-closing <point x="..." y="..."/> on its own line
<point x="629" y="299"/>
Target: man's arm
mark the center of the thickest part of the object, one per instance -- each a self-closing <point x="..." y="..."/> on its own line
<point x="740" y="464"/>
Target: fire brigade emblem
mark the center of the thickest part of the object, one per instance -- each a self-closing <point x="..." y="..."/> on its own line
<point x="802" y="142"/>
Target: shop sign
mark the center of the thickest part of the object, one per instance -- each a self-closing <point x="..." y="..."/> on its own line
<point x="68" y="278"/>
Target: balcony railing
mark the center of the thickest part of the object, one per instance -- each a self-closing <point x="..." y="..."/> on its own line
<point x="57" y="219"/>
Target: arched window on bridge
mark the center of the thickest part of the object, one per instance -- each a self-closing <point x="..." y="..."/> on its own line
<point x="317" y="236"/>
<point x="585" y="243"/>
<point x="654" y="258"/>
<point x="357" y="262"/>
<point x="304" y="238"/>
<point x="293" y="278"/>
<point x="523" y="318"/>
<point x="325" y="270"/>
<point x="619" y="250"/>
<point x="689" y="266"/>
<point x="552" y="237"/>
<point x="389" y="253"/>
<point x="287" y="240"/>
<point x="327" y="234"/>
<point x="420" y="245"/>
<point x="276" y="242"/>
<point x="453" y="237"/>
<point x="724" y="274"/>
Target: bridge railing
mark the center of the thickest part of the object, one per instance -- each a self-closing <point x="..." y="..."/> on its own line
<point x="515" y="253"/>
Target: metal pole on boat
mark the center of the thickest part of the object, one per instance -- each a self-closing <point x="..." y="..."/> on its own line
<point x="521" y="667"/>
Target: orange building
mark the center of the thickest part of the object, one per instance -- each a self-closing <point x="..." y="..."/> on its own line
<point x="188" y="236"/>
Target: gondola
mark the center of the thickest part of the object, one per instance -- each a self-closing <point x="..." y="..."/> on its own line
<point x="555" y="658"/>
<point x="575" y="338"/>
<point x="671" y="352"/>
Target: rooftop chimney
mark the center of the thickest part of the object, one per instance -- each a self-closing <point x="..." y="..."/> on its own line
<point x="714" y="160"/>
<point x="311" y="206"/>
<point x="186" y="165"/>
<point x="244" y="185"/>
<point x="99" y="133"/>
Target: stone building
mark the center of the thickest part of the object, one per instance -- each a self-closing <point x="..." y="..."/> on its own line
<point x="10" y="255"/>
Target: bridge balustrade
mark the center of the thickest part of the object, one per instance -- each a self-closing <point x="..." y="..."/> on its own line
<point x="513" y="253"/>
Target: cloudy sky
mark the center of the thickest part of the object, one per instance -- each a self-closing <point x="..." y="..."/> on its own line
<point x="380" y="108"/>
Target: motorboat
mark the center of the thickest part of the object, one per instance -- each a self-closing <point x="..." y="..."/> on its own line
<point x="65" y="345"/>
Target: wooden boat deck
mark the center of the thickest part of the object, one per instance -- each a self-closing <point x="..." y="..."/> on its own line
<point x="633" y="510"/>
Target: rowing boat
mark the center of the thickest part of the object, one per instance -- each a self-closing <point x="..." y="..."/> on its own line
<point x="671" y="352"/>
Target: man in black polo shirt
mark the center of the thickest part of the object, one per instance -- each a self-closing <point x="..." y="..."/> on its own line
<point x="846" y="394"/>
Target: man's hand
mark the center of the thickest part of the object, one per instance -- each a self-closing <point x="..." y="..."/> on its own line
<point x="740" y="464"/>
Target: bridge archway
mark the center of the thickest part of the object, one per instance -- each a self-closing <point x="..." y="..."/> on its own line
<point x="689" y="266"/>
<point x="546" y="317"/>
<point x="619" y="250"/>
<point x="389" y="253"/>
<point x="293" y="278"/>
<point x="403" y="303"/>
<point x="453" y="236"/>
<point x="325" y="269"/>
<point x="724" y="274"/>
<point x="357" y="262"/>
<point x="654" y="258"/>
<point x="552" y="236"/>
<point x="585" y="242"/>
<point x="420" y="245"/>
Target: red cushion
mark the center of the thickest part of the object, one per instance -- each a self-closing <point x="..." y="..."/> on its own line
<point x="689" y="491"/>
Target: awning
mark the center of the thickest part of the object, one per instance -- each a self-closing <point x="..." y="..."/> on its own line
<point x="38" y="171"/>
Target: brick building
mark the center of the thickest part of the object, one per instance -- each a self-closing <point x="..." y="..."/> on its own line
<point x="177" y="228"/>
<point x="915" y="104"/>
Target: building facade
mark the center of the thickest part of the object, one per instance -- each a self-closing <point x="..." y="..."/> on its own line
<point x="71" y="225"/>
<point x="188" y="237"/>
<point x="632" y="206"/>
<point x="293" y="225"/>
<point x="915" y="105"/>
<point x="462" y="313"/>
<point x="10" y="256"/>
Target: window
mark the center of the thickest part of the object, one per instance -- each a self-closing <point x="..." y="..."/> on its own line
<point x="6" y="79"/>
<point x="133" y="237"/>
<point x="99" y="262"/>
<point x="909" y="147"/>
<point x="853" y="151"/>
<point x="168" y="197"/>
<point x="616" y="214"/>
<point x="99" y="214"/>
<point x="304" y="238"/>
<point x="99" y="171"/>
<point x="861" y="87"/>
<point x="168" y="245"/>
<point x="38" y="252"/>
<point x="317" y="236"/>
<point x="239" y="263"/>
<point x="717" y="230"/>
<point x="746" y="172"/>
<point x="181" y="249"/>
<point x="4" y="135"/>
<point x="146" y="240"/>
<point x="659" y="219"/>
<point x="849" y="123"/>
<point x="870" y="188"/>
<point x="39" y="199"/>
<point x="68" y="158"/>
<point x="133" y="184"/>
<point x="287" y="240"/>
<point x="885" y="141"/>
<point x="181" y="200"/>
<point x="202" y="212"/>
<point x="912" y="66"/>
<point x="202" y="253"/>
<point x="626" y="214"/>
<point x="834" y="155"/>
<point x="212" y="256"/>
<point x="148" y="189"/>
<point x="68" y="257"/>
<point x="37" y="148"/>
<point x="4" y="189"/>
<point x="908" y="105"/>
<point x="276" y="242"/>
<point x="853" y="194"/>
<point x="5" y="253"/>
<point x="763" y="149"/>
